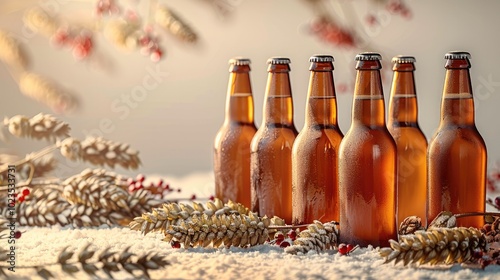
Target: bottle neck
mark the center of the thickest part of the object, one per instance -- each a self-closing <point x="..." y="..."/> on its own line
<point x="368" y="103"/>
<point x="239" y="101"/>
<point x="321" y="104"/>
<point x="457" y="106"/>
<point x="278" y="107"/>
<point x="403" y="108"/>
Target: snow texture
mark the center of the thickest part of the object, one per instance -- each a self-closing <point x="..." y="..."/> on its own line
<point x="42" y="245"/>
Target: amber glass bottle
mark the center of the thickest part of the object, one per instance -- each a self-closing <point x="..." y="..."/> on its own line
<point x="232" y="143"/>
<point x="271" y="148"/>
<point x="457" y="153"/>
<point x="315" y="151"/>
<point x="367" y="163"/>
<point x="410" y="141"/>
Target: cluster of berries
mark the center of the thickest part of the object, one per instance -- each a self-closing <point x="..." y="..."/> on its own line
<point x="106" y="7"/>
<point x="345" y="249"/>
<point x="157" y="188"/>
<point x="330" y="32"/>
<point x="150" y="46"/>
<point x="80" y="43"/>
<point x="160" y="187"/>
<point x="21" y="197"/>
<point x="280" y="240"/>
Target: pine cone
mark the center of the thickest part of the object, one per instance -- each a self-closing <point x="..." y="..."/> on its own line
<point x="445" y="219"/>
<point x="317" y="237"/>
<point x="435" y="246"/>
<point x="491" y="231"/>
<point x="96" y="188"/>
<point x="410" y="224"/>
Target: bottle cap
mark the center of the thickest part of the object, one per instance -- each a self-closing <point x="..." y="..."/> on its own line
<point x="457" y="55"/>
<point x="278" y="60"/>
<point x="368" y="56"/>
<point x="239" y="61"/>
<point x="403" y="59"/>
<point x="321" y="58"/>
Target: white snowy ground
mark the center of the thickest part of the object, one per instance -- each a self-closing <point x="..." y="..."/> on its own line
<point x="42" y="245"/>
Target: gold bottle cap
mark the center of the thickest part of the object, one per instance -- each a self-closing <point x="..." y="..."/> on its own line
<point x="239" y="61"/>
<point x="321" y="58"/>
<point x="403" y="59"/>
<point x="368" y="56"/>
<point x="457" y="55"/>
<point x="278" y="60"/>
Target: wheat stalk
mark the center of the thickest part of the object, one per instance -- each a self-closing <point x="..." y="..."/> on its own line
<point x="40" y="21"/>
<point x="171" y="22"/>
<point x="40" y="126"/>
<point x="47" y="92"/>
<point x="107" y="262"/>
<point x="12" y="52"/>
<point x="435" y="246"/>
<point x="318" y="237"/>
<point x="100" y="151"/>
<point x="122" y="34"/>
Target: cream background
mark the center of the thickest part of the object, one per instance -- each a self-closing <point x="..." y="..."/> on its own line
<point x="174" y="124"/>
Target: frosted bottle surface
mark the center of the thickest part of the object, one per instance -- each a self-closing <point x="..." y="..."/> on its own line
<point x="232" y="143"/>
<point x="315" y="151"/>
<point x="457" y="152"/>
<point x="410" y="141"/>
<point x="271" y="147"/>
<point x="367" y="164"/>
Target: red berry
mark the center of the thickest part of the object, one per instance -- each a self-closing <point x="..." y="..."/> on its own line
<point x="155" y="55"/>
<point x="371" y="19"/>
<point x="212" y="198"/>
<point x="497" y="201"/>
<point x="349" y="247"/>
<point x="17" y="234"/>
<point x="21" y="198"/>
<point x="477" y="254"/>
<point x="292" y="234"/>
<point x="131" y="188"/>
<point x="284" y="244"/>
<point x="130" y="181"/>
<point x="159" y="184"/>
<point x="26" y="192"/>
<point x="79" y="52"/>
<point x="193" y="197"/>
<point x="343" y="249"/>
<point x="140" y="178"/>
<point x="138" y="185"/>
<point x="175" y="244"/>
<point x="279" y="236"/>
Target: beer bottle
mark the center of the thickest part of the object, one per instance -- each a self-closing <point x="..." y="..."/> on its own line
<point x="271" y="147"/>
<point x="367" y="163"/>
<point x="457" y="153"/>
<point x="315" y="151"/>
<point x="232" y="143"/>
<point x="410" y="141"/>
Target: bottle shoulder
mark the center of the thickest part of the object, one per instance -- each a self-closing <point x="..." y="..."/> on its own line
<point x="407" y="134"/>
<point x="360" y="135"/>
<point x="448" y="135"/>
